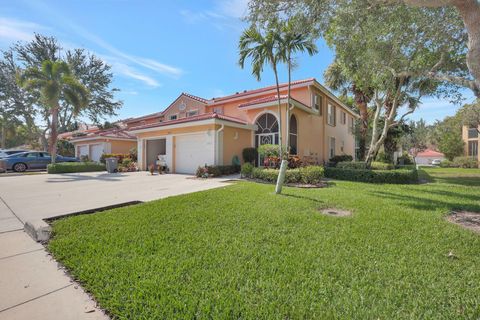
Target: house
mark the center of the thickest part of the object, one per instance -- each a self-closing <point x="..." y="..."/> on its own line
<point x="472" y="140"/>
<point x="94" y="141"/>
<point x="193" y="131"/>
<point x="427" y="156"/>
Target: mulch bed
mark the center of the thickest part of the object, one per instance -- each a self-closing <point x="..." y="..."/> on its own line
<point x="466" y="219"/>
<point x="334" y="212"/>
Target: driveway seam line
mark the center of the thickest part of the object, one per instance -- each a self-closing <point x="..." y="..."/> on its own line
<point x="19" y="254"/>
<point x="14" y="230"/>
<point x="11" y="210"/>
<point x="40" y="296"/>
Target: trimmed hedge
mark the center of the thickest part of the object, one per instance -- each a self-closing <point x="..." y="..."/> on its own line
<point x="362" y="165"/>
<point x="217" y="171"/>
<point x="72" y="167"/>
<point x="373" y="176"/>
<point x="304" y="175"/>
<point x="340" y="158"/>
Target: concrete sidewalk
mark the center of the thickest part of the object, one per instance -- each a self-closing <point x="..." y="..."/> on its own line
<point x="32" y="286"/>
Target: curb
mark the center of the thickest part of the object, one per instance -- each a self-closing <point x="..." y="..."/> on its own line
<point x="39" y="230"/>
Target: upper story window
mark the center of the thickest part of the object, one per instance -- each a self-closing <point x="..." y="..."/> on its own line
<point x="351" y="125"/>
<point x="218" y="110"/>
<point x="192" y="113"/>
<point x="331" y="118"/>
<point x="317" y="102"/>
<point x="343" y="117"/>
<point x="173" y="117"/>
<point x="472" y="133"/>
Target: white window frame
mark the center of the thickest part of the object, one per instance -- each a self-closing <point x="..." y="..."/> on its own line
<point x="343" y="117"/>
<point x="331" y="119"/>
<point x="351" y="125"/>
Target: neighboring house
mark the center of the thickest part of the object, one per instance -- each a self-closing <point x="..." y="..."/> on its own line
<point x="194" y="131"/>
<point x="472" y="140"/>
<point x="96" y="143"/>
<point x="427" y="156"/>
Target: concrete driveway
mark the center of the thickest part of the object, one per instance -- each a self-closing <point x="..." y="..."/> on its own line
<point x="47" y="195"/>
<point x="32" y="285"/>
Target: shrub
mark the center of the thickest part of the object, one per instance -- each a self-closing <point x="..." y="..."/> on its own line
<point x="341" y="158"/>
<point x="217" y="171"/>
<point x="294" y="162"/>
<point x="363" y="165"/>
<point x="405" y="159"/>
<point x="247" y="169"/>
<point x="447" y="164"/>
<point x="249" y="155"/>
<point x="465" y="162"/>
<point x="119" y="156"/>
<point x="71" y="167"/>
<point x="373" y="176"/>
<point x="133" y="154"/>
<point x="383" y="157"/>
<point x="305" y="175"/>
<point x="406" y="167"/>
<point x="268" y="150"/>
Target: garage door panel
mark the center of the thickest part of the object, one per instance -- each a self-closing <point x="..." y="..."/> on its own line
<point x="96" y="152"/>
<point x="192" y="151"/>
<point x="82" y="151"/>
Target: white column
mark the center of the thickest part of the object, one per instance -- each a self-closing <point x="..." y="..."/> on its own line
<point x="140" y="154"/>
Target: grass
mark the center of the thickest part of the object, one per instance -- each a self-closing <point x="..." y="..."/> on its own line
<point x="243" y="252"/>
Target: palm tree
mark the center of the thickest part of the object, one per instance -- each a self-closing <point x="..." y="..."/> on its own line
<point x="263" y="49"/>
<point x="294" y="38"/>
<point x="55" y="82"/>
<point x="337" y="80"/>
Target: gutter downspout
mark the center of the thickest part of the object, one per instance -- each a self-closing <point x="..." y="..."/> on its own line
<point x="217" y="144"/>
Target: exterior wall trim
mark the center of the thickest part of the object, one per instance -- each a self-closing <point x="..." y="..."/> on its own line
<point x="194" y="124"/>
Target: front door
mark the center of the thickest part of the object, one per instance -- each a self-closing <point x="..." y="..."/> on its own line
<point x="264" y="138"/>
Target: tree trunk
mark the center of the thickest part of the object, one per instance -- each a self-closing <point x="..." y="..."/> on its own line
<point x="470" y="12"/>
<point x="361" y="100"/>
<point x="54" y="134"/>
<point x="279" y="100"/>
<point x="371" y="151"/>
<point x="4" y="136"/>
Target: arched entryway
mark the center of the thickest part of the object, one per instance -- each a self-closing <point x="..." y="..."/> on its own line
<point x="266" y="130"/>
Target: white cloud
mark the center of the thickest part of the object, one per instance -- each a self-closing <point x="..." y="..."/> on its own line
<point x="18" y="30"/>
<point x="224" y="14"/>
<point x="233" y="8"/>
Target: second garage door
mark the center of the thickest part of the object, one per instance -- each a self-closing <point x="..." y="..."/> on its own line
<point x="192" y="151"/>
<point x="96" y="151"/>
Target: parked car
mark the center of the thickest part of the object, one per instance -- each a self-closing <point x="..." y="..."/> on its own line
<point x="5" y="153"/>
<point x="436" y="162"/>
<point x="21" y="162"/>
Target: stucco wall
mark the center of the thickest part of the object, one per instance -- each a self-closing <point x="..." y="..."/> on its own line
<point x="234" y="141"/>
<point x="120" y="146"/>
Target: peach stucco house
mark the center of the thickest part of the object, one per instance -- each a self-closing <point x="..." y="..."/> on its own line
<point x="193" y="131"/>
<point x="472" y="141"/>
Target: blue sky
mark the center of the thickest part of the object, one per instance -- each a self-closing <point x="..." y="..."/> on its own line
<point x="159" y="49"/>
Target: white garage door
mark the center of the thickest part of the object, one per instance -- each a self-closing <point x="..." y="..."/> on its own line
<point x="193" y="151"/>
<point x="96" y="151"/>
<point x="82" y="151"/>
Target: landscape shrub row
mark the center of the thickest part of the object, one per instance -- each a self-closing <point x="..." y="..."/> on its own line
<point x="304" y="175"/>
<point x="72" y="167"/>
<point x="119" y="156"/>
<point x="217" y="171"/>
<point x="363" y="165"/>
<point x="398" y="176"/>
<point x="460" y="162"/>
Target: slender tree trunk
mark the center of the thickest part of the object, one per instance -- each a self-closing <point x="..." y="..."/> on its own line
<point x="361" y="101"/>
<point x="279" y="100"/>
<point x="470" y="12"/>
<point x="4" y="135"/>
<point x="371" y="152"/>
<point x="54" y="134"/>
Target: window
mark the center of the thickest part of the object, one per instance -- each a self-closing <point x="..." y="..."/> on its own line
<point x="331" y="115"/>
<point x="343" y="117"/>
<point x="31" y="155"/>
<point x="342" y="147"/>
<point x="293" y="135"/>
<point x="473" y="148"/>
<point x="351" y="125"/>
<point x="173" y="117"/>
<point x="472" y="133"/>
<point x="317" y="102"/>
<point x="192" y="113"/>
<point x="218" y="110"/>
<point x="332" y="148"/>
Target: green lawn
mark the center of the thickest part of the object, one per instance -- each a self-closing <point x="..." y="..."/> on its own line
<point x="243" y="252"/>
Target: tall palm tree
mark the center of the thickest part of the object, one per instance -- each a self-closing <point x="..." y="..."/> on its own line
<point x="263" y="49"/>
<point x="337" y="80"/>
<point x="55" y="82"/>
<point x="294" y="38"/>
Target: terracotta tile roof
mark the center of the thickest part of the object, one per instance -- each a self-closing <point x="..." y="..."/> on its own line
<point x="264" y="100"/>
<point x="148" y="116"/>
<point x="430" y="153"/>
<point x="195" y="97"/>
<point x="254" y="91"/>
<point x="109" y="133"/>
<point x="204" y="116"/>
